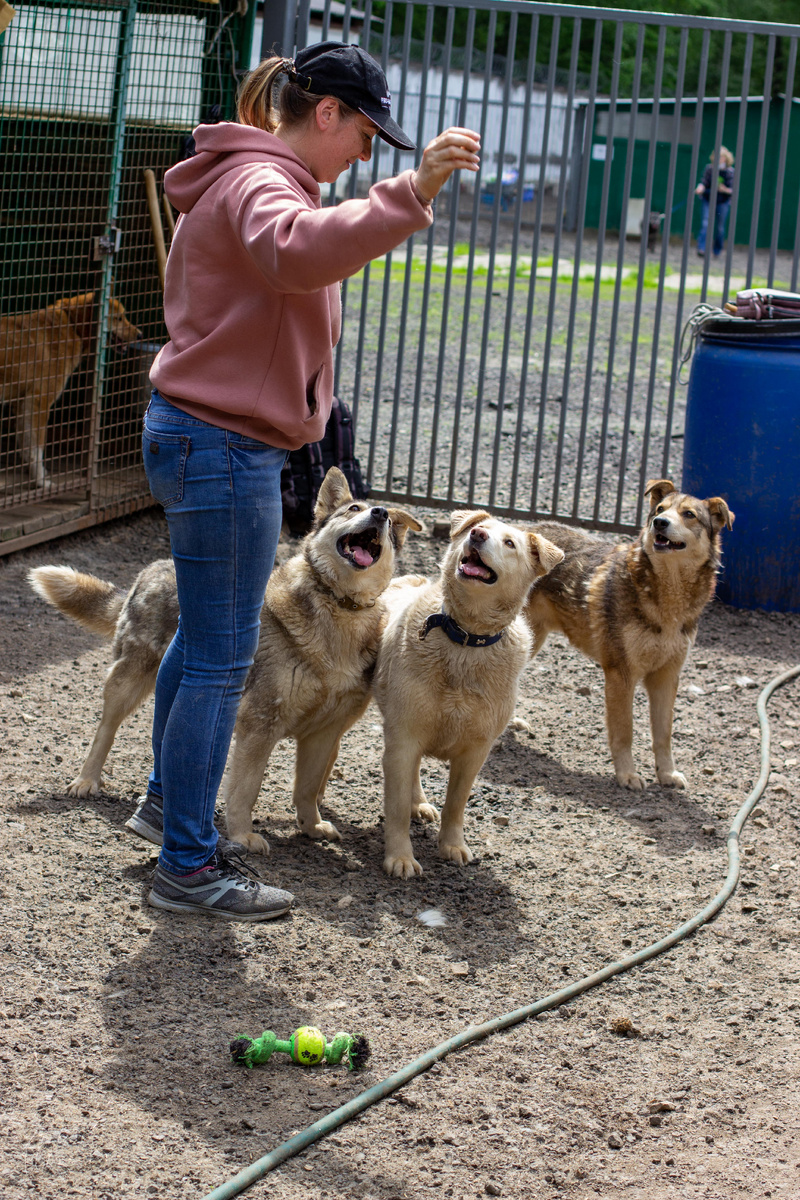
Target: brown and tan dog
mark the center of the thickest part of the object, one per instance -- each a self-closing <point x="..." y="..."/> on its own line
<point x="320" y="628"/>
<point x="38" y="353"/>
<point x="312" y="676"/>
<point x="634" y="609"/>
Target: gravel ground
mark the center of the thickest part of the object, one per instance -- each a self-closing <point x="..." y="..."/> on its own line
<point x="678" y="1079"/>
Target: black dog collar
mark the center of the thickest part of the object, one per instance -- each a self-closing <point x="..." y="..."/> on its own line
<point x="456" y="634"/>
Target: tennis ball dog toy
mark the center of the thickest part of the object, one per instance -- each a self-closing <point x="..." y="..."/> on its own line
<point x="306" y="1046"/>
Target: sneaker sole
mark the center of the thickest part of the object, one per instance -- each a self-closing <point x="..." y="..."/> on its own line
<point x="143" y="830"/>
<point x="221" y="914"/>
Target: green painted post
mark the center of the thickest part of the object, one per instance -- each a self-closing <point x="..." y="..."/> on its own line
<point x="107" y="245"/>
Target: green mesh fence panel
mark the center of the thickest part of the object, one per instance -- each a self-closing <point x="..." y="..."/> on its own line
<point x="91" y="97"/>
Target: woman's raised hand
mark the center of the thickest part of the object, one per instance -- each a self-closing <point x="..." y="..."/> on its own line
<point x="453" y="150"/>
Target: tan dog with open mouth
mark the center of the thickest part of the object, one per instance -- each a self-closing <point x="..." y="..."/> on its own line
<point x="448" y="668"/>
<point x="312" y="675"/>
<point x="38" y="353"/>
<point x="634" y="609"/>
<point x="320" y="627"/>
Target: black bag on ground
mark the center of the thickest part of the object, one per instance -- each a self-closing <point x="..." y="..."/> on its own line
<point x="305" y="469"/>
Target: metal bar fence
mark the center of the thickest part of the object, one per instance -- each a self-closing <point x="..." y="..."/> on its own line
<point x="781" y="173"/>
<point x="523" y="355"/>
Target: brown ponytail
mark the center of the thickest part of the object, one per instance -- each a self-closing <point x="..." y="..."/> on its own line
<point x="256" y="102"/>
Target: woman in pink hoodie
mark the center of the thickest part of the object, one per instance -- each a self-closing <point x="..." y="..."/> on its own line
<point x="251" y="303"/>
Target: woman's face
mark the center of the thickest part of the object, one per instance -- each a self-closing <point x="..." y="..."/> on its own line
<point x="346" y="139"/>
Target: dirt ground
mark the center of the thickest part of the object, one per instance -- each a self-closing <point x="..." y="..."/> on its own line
<point x="115" y="1018"/>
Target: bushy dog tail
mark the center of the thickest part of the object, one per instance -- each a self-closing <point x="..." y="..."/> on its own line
<point x="91" y="602"/>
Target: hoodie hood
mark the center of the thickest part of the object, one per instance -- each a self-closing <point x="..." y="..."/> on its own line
<point x="225" y="147"/>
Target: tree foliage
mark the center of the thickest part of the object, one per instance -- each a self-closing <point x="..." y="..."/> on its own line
<point x="520" y="34"/>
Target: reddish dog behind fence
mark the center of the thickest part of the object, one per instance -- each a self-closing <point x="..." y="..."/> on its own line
<point x="38" y="353"/>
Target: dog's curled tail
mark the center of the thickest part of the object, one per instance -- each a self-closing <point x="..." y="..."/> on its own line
<point x="88" y="600"/>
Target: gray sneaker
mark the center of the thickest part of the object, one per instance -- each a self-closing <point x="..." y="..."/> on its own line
<point x="147" y="819"/>
<point x="220" y="890"/>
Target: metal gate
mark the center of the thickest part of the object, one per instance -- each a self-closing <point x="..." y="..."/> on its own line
<point x="92" y="95"/>
<point x="524" y="355"/>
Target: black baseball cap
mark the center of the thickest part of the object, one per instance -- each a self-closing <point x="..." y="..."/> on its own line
<point x="353" y="76"/>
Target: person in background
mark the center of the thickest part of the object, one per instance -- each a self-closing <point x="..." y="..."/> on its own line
<point x="252" y="308"/>
<point x="724" y="193"/>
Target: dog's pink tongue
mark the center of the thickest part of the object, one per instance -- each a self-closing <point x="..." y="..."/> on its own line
<point x="362" y="556"/>
<point x="472" y="568"/>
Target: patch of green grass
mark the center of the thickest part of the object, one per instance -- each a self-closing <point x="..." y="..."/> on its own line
<point x="441" y="268"/>
<point x="458" y="273"/>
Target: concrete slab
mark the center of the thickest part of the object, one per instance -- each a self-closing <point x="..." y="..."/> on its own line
<point x="694" y="283"/>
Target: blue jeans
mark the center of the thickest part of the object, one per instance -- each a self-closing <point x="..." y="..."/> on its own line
<point x="222" y="499"/>
<point x="720" y="222"/>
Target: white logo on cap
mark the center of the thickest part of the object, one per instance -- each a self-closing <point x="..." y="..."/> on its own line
<point x="386" y="101"/>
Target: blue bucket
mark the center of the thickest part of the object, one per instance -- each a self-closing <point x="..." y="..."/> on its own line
<point x="742" y="442"/>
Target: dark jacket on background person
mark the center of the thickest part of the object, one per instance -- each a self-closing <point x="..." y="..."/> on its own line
<point x="725" y="176"/>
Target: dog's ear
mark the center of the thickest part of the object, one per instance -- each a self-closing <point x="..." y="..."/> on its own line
<point x="721" y="515"/>
<point x="461" y="521"/>
<point x="334" y="491"/>
<point x="79" y="311"/>
<point x="657" y="489"/>
<point x="402" y="523"/>
<point x="544" y="553"/>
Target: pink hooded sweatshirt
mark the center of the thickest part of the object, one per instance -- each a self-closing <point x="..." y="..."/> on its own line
<point x="251" y="300"/>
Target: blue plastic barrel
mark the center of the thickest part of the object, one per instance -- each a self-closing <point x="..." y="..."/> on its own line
<point x="742" y="442"/>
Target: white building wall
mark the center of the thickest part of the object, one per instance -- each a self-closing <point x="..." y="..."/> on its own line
<point x="81" y="81"/>
<point x="63" y="61"/>
<point x="514" y="151"/>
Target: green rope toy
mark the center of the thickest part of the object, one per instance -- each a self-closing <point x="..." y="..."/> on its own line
<point x="306" y="1046"/>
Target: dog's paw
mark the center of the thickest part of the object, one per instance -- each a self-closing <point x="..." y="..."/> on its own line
<point x="519" y="725"/>
<point x="320" y="830"/>
<point x="401" y="867"/>
<point x="457" y="852"/>
<point x="629" y="779"/>
<point x="672" y="779"/>
<point x="83" y="787"/>
<point x="424" y="812"/>
<point x="252" y="842"/>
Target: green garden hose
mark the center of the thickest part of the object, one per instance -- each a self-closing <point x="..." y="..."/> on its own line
<point x="473" y="1033"/>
